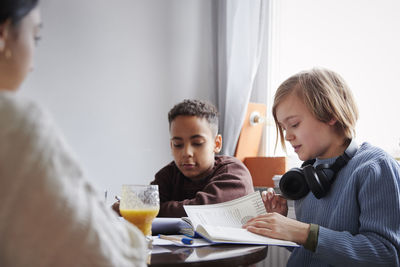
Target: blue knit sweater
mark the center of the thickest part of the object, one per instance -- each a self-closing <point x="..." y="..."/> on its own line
<point x="359" y="218"/>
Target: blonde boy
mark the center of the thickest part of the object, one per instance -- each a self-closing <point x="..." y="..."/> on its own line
<point x="354" y="223"/>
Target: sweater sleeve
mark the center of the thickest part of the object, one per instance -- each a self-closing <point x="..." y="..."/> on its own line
<point x="229" y="182"/>
<point x="378" y="241"/>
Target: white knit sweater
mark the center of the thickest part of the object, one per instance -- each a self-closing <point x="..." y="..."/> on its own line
<point x="50" y="215"/>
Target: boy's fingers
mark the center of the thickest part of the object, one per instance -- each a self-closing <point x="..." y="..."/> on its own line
<point x="273" y="204"/>
<point x="264" y="196"/>
<point x="270" y="190"/>
<point x="270" y="199"/>
<point x="270" y="193"/>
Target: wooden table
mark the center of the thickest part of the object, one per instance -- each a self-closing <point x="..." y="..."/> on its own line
<point x="216" y="255"/>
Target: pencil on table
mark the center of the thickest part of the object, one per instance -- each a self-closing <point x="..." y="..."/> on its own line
<point x="184" y="240"/>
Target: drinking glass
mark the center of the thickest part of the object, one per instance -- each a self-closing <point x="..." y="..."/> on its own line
<point x="140" y="205"/>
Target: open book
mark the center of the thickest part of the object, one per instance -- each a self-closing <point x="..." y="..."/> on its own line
<point x="222" y="223"/>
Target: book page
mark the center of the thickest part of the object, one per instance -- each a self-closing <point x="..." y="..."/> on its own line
<point x="233" y="213"/>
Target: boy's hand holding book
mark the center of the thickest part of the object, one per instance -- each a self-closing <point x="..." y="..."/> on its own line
<point x="274" y="202"/>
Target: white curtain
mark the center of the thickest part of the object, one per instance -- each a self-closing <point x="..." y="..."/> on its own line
<point x="240" y="41"/>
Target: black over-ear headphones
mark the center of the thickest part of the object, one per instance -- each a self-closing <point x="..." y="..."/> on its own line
<point x="297" y="182"/>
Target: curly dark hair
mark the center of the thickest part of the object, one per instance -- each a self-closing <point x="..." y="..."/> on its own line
<point x="198" y="108"/>
<point x="16" y="9"/>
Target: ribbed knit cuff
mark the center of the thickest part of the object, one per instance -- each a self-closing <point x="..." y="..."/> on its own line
<point x="312" y="239"/>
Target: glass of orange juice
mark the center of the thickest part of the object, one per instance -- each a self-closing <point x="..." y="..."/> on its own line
<point x="140" y="205"/>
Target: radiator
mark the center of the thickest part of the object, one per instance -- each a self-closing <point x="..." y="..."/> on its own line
<point x="277" y="257"/>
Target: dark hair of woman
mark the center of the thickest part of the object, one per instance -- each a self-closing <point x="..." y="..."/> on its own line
<point x="15" y="9"/>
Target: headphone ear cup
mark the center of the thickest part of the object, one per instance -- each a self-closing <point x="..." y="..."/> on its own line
<point x="293" y="185"/>
<point x="317" y="180"/>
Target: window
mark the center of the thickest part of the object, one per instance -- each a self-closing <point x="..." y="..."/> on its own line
<point x="358" y="39"/>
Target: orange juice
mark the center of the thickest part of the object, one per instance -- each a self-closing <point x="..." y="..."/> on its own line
<point x="141" y="218"/>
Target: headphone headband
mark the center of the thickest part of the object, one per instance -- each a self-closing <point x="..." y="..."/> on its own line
<point x="343" y="159"/>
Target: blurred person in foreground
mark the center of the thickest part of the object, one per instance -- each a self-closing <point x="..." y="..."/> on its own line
<point x="50" y="215"/>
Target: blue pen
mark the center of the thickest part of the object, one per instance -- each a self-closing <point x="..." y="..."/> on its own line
<point x="184" y="240"/>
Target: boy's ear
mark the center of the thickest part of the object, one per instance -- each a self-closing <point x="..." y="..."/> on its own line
<point x="332" y="122"/>
<point x="218" y="143"/>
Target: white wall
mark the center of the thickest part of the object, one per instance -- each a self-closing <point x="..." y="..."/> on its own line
<point x="109" y="71"/>
<point x="358" y="39"/>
